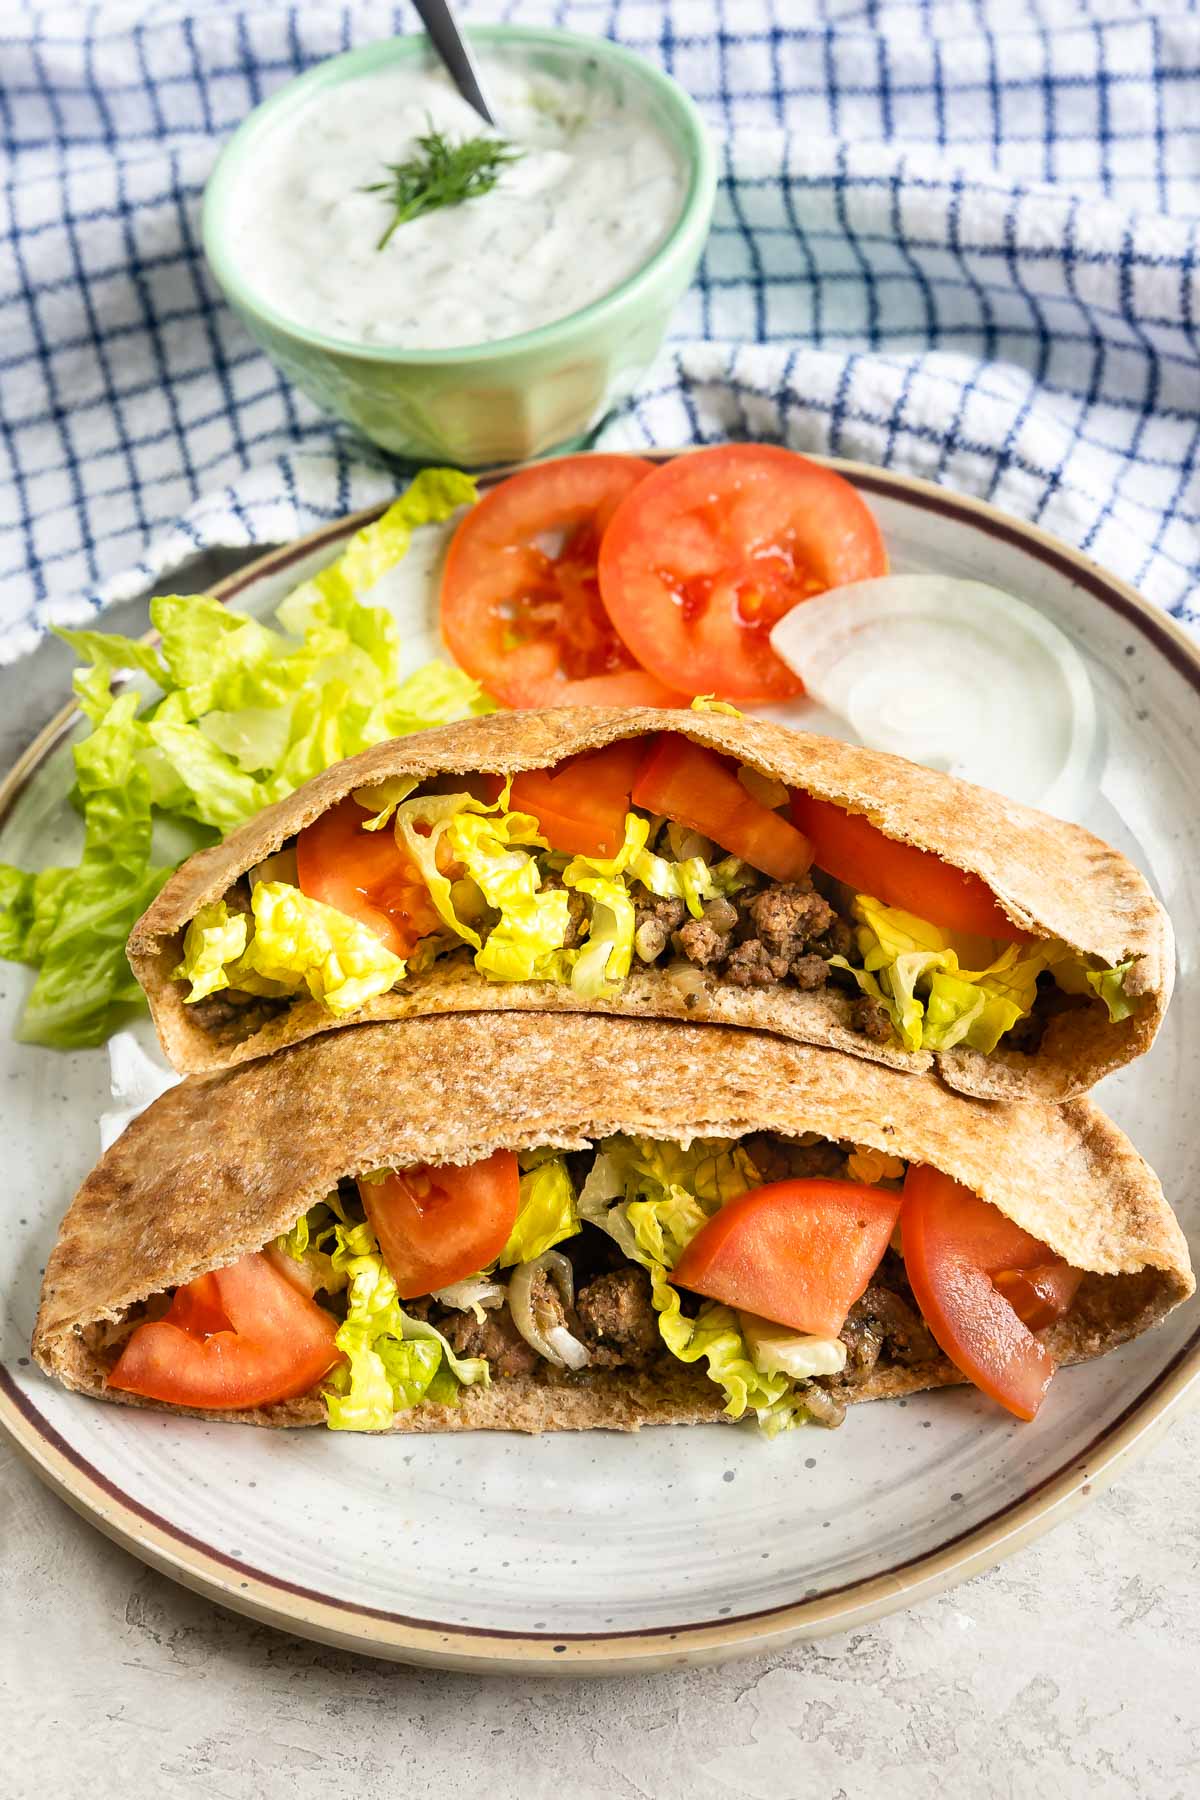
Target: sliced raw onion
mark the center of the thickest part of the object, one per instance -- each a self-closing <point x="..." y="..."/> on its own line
<point x="560" y="1347"/>
<point x="954" y="674"/>
<point x="475" y="1291"/>
<point x="777" y="1351"/>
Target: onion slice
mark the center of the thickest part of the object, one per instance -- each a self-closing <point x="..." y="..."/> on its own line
<point x="954" y="674"/>
<point x="560" y="1347"/>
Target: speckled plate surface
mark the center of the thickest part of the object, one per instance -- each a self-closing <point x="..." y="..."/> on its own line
<point x="604" y="1552"/>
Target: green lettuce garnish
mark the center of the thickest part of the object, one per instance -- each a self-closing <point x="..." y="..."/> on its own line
<point x="546" y="1212"/>
<point x="246" y="714"/>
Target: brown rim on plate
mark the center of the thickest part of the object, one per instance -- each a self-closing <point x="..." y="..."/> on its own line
<point x="288" y="1605"/>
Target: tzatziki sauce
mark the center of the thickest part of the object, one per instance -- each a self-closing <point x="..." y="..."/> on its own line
<point x="596" y="191"/>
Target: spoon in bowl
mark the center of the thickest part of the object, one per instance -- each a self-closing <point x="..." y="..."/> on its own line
<point x="452" y="47"/>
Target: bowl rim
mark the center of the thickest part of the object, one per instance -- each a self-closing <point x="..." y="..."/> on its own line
<point x="696" y="211"/>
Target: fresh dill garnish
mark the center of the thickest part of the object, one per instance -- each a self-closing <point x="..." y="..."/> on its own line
<point x="444" y="174"/>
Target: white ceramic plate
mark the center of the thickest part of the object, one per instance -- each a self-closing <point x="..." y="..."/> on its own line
<point x="601" y="1552"/>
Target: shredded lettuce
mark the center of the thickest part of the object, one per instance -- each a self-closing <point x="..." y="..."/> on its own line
<point x="215" y="938"/>
<point x="494" y="848"/>
<point x="942" y="988"/>
<point x="246" y="714"/>
<point x="393" y="1361"/>
<point x="605" y="959"/>
<point x="716" y="1335"/>
<point x="546" y="1213"/>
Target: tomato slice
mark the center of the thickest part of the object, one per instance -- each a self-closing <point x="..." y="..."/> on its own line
<point x="438" y="1224"/>
<point x="696" y="787"/>
<point x="198" y="1308"/>
<point x="521" y="607"/>
<point x="800" y="1252"/>
<point x="581" y="804"/>
<point x="954" y="1245"/>
<point x="365" y="874"/>
<point x="847" y="846"/>
<point x="242" y="1336"/>
<point x="1042" y="1295"/>
<point x="710" y="551"/>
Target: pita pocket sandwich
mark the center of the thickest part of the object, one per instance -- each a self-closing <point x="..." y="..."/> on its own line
<point x="685" y="865"/>
<point x="506" y="1222"/>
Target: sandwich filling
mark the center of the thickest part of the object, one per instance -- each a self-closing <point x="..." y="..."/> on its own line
<point x="650" y="854"/>
<point x="791" y="1270"/>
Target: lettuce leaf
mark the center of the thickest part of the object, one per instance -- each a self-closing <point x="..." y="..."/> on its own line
<point x="73" y="923"/>
<point x="215" y="938"/>
<point x="716" y="1335"/>
<point x="546" y="1213"/>
<point x="925" y="978"/>
<point x="606" y="957"/>
<point x="393" y="1361"/>
<point x="302" y="943"/>
<point x="245" y="714"/>
<point x="943" y="988"/>
<point x="493" y="845"/>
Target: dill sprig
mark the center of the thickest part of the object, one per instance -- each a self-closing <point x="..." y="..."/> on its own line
<point x="443" y="174"/>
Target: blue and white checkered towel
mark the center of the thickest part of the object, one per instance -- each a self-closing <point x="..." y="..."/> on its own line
<point x="955" y="236"/>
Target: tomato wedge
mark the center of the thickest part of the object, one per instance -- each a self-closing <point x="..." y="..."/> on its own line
<point x="696" y="787"/>
<point x="242" y="1336"/>
<point x="957" y="1248"/>
<point x="800" y="1252"/>
<point x="581" y="804"/>
<point x="438" y="1224"/>
<point x="365" y="874"/>
<point x="1042" y="1295"/>
<point x="520" y="603"/>
<point x="847" y="846"/>
<point x="709" y="552"/>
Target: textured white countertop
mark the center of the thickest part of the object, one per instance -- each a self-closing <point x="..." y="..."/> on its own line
<point x="1069" y="1670"/>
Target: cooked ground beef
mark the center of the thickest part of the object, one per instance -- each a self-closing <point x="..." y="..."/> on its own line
<point x="837" y="941"/>
<point x="870" y="1016"/>
<point x="883" y="1321"/>
<point x="616" y="1319"/>
<point x="654" y="921"/>
<point x="702" y="942"/>
<point x="231" y="1017"/>
<point x="787" y="916"/>
<point x="754" y="939"/>
<point x="576" y="906"/>
<point x="778" y="1160"/>
<point x="752" y="965"/>
<point x="809" y="972"/>
<point x="494" y="1336"/>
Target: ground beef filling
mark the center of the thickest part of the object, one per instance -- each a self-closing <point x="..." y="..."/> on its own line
<point x="785" y="932"/>
<point x="612" y="1316"/>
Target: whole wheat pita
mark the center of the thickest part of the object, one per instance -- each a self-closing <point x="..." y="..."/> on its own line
<point x="222" y="1164"/>
<point x="1053" y="879"/>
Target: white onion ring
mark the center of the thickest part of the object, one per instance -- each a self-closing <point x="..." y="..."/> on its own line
<point x="558" y="1346"/>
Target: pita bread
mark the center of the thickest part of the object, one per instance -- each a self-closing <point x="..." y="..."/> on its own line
<point x="1052" y="879"/>
<point x="223" y="1163"/>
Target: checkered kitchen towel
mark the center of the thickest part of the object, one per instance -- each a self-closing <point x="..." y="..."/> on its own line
<point x="955" y="236"/>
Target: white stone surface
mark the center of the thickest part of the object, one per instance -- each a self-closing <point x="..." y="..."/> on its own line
<point x="1070" y="1670"/>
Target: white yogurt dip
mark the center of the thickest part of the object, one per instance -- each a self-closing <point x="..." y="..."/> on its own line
<point x="596" y="191"/>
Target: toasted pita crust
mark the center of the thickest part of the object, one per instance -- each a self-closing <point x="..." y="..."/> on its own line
<point x="1052" y="879"/>
<point x="221" y="1164"/>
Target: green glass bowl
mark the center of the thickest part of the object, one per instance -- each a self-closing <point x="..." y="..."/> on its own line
<point x="521" y="396"/>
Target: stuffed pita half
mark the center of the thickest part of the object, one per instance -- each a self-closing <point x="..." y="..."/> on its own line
<point x="677" y="865"/>
<point x="507" y="1222"/>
